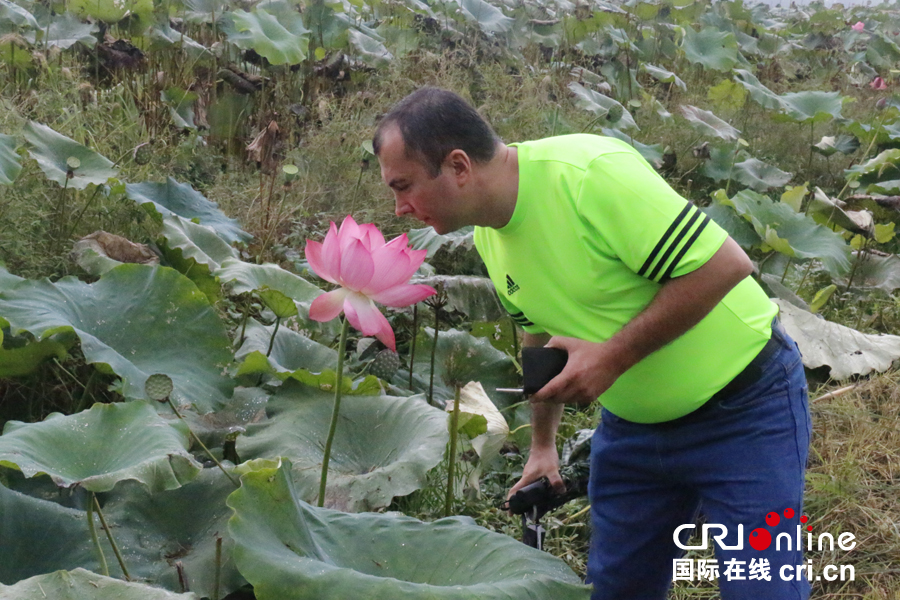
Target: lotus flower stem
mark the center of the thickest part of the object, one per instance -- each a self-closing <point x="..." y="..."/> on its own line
<point x="451" y="456"/>
<point x="433" y="352"/>
<point x="244" y="318"/>
<point x="218" y="573"/>
<point x="412" y="349"/>
<point x="202" y="445"/>
<point x="104" y="568"/>
<point x="274" y="333"/>
<point x="109" y="536"/>
<point x="338" y="388"/>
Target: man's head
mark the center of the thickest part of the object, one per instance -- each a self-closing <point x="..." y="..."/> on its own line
<point x="428" y="147"/>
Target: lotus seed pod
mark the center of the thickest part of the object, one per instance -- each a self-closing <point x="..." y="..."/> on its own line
<point x="385" y="364"/>
<point x="143" y="153"/>
<point x="615" y="113"/>
<point x="158" y="387"/>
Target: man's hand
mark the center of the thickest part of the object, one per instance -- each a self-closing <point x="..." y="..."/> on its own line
<point x="542" y="462"/>
<point x="590" y="370"/>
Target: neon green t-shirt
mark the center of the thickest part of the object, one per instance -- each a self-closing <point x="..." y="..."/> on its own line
<point x="595" y="233"/>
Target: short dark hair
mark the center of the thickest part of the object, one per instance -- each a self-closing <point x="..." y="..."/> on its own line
<point x="434" y="122"/>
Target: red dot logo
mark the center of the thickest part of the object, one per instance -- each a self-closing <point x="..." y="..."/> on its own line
<point x="804" y="519"/>
<point x="772" y="519"/>
<point x="760" y="539"/>
<point x="789" y="513"/>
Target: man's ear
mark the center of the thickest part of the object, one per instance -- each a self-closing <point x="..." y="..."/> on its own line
<point x="460" y="164"/>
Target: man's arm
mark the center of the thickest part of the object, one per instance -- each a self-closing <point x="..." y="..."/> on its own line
<point x="681" y="303"/>
<point x="543" y="459"/>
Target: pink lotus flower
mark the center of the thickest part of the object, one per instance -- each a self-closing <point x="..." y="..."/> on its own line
<point x="368" y="270"/>
<point x="859" y="26"/>
<point x="878" y="84"/>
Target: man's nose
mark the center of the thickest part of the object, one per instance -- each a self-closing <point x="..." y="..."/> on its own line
<point x="402" y="208"/>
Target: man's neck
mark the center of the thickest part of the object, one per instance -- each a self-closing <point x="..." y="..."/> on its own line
<point x="500" y="181"/>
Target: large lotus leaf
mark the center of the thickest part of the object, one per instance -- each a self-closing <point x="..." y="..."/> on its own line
<point x="383" y="446"/>
<point x="709" y="124"/>
<point x="155" y="530"/>
<point x="829" y="144"/>
<point x="474" y="297"/>
<point x="760" y="176"/>
<point x="243" y="277"/>
<point x="164" y="36"/>
<point x="10" y="161"/>
<point x="663" y="75"/>
<point x="196" y="251"/>
<point x="369" y="49"/>
<point x="760" y="93"/>
<point x="602" y="106"/>
<point x="40" y="536"/>
<point x="281" y="39"/>
<point x="738" y="228"/>
<point x="137" y="320"/>
<point x="18" y="16"/>
<point x="97" y="448"/>
<point x="804" y="238"/>
<point x="58" y="155"/>
<point x="875" y="272"/>
<point x="488" y="17"/>
<point x="427" y="238"/>
<point x="19" y="360"/>
<point x="85" y="585"/>
<point x="847" y="351"/>
<point x="181" y="199"/>
<point x="111" y="11"/>
<point x="290" y="550"/>
<point x="64" y="31"/>
<point x="812" y="107"/>
<point x="652" y="153"/>
<point x="290" y="352"/>
<point x="711" y="48"/>
<point x="461" y="358"/>
<point x="720" y="164"/>
<point x="885" y="166"/>
<point x="827" y="211"/>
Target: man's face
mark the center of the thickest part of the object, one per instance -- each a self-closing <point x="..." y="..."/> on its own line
<point x="432" y="200"/>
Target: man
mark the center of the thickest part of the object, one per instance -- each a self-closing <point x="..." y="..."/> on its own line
<point x="704" y="398"/>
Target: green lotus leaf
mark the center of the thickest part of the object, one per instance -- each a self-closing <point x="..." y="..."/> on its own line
<point x="40" y="536"/>
<point x="173" y="198"/>
<point x="154" y="530"/>
<point x="709" y="124"/>
<point x="806" y="238"/>
<point x="427" y="238"/>
<point x="290" y="550"/>
<point x="18" y="16"/>
<point x="370" y="50"/>
<point x="845" y="144"/>
<point x="652" y="153"/>
<point x="827" y="212"/>
<point x="759" y="176"/>
<point x="84" y="585"/>
<point x="727" y="94"/>
<point x="882" y="52"/>
<point x="793" y="195"/>
<point x="290" y="352"/>
<point x="243" y="277"/>
<point x="873" y="272"/>
<point x="602" y="106"/>
<point x="772" y="285"/>
<point x="64" y="31"/>
<point x="711" y="48"/>
<point x="474" y="297"/>
<point x="23" y="360"/>
<point x="758" y="92"/>
<point x="384" y="445"/>
<point x="137" y="320"/>
<point x="489" y="18"/>
<point x="278" y="303"/>
<point x="811" y="107"/>
<point x="112" y="11"/>
<point x="97" y="448"/>
<point x="52" y="150"/>
<point x="164" y="36"/>
<point x="10" y="161"/>
<point x="281" y="38"/>
<point x="738" y="228"/>
<point x="877" y="171"/>
<point x="325" y="381"/>
<point x="203" y="11"/>
<point x="461" y="358"/>
<point x="847" y="351"/>
<point x="720" y="164"/>
<point x="663" y="75"/>
<point x="195" y="251"/>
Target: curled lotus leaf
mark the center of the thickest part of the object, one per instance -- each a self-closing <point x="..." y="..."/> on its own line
<point x="52" y="152"/>
<point x="812" y="106"/>
<point x="64" y="31"/>
<point x="135" y="321"/>
<point x="707" y="123"/>
<point x="474" y="297"/>
<point x="280" y="38"/>
<point x="290" y="550"/>
<point x="711" y="48"/>
<point x="488" y="17"/>
<point x="85" y="585"/>
<point x="602" y="106"/>
<point x="383" y="448"/>
<point x="10" y="161"/>
<point x="760" y="176"/>
<point x="97" y="448"/>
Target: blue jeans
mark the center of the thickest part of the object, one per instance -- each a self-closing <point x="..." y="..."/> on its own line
<point x="735" y="460"/>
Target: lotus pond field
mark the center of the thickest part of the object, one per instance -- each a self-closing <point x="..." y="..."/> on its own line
<point x="198" y="399"/>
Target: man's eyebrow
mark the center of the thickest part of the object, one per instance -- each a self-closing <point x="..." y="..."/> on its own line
<point x="395" y="182"/>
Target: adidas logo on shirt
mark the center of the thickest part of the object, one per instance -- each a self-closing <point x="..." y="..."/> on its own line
<point x="511" y="286"/>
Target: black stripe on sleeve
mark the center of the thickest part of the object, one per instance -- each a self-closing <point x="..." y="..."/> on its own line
<point x="662" y="240"/>
<point x="687" y="246"/>
<point x="673" y="245"/>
